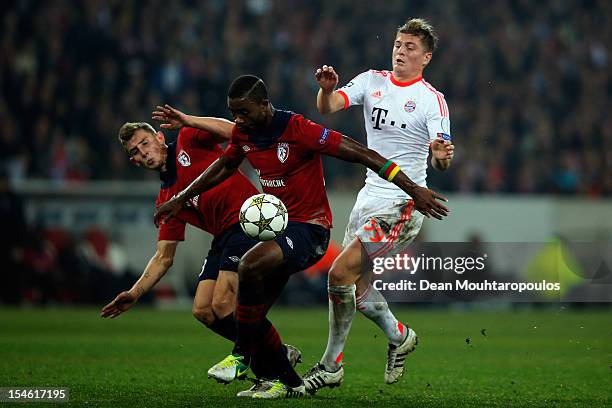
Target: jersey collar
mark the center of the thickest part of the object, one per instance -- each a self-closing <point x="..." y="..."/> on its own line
<point x="403" y="84"/>
<point x="168" y="177"/>
<point x="272" y="133"/>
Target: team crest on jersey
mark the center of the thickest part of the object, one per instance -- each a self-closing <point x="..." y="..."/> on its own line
<point x="282" y="152"/>
<point x="410" y="106"/>
<point x="246" y="148"/>
<point x="184" y="159"/>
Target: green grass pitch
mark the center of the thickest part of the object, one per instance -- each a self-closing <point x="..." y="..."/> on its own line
<point x="148" y="358"/>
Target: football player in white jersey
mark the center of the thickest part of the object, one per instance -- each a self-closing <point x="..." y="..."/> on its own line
<point x="405" y="118"/>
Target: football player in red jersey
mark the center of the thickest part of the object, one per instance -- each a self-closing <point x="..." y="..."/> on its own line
<point x="215" y="211"/>
<point x="285" y="149"/>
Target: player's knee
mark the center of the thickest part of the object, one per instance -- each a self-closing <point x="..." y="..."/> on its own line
<point x="248" y="269"/>
<point x="335" y="277"/>
<point x="341" y="274"/>
<point x="204" y="314"/>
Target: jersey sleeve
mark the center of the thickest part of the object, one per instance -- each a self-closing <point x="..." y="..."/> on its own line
<point x="172" y="230"/>
<point x="438" y="119"/>
<point x="233" y="150"/>
<point x="354" y="91"/>
<point x="315" y="137"/>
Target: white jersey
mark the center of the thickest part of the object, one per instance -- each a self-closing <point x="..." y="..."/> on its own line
<point x="401" y="120"/>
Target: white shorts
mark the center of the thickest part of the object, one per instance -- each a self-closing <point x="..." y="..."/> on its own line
<point x="384" y="226"/>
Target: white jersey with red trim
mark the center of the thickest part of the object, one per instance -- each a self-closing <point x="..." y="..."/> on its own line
<point x="401" y="120"/>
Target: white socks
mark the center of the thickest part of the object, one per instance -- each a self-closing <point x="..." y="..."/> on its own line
<point x="341" y="313"/>
<point x="342" y="305"/>
<point x="374" y="306"/>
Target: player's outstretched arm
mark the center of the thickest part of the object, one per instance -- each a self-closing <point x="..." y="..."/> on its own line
<point x="172" y="118"/>
<point x="156" y="268"/>
<point x="215" y="174"/>
<point x="425" y="200"/>
<point x="442" y="152"/>
<point x="328" y="101"/>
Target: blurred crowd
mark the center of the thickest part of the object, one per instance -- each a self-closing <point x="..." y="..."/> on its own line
<point x="49" y="265"/>
<point x="528" y="86"/>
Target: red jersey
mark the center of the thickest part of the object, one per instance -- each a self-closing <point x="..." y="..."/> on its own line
<point x="287" y="158"/>
<point x="214" y="210"/>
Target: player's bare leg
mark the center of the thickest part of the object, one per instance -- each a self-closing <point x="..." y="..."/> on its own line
<point x="205" y="298"/>
<point x="203" y="309"/>
<point x="202" y="302"/>
<point x="224" y="295"/>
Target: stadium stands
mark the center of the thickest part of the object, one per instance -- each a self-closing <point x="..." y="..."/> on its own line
<point x="529" y="88"/>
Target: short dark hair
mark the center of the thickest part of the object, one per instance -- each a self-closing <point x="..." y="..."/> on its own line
<point x="422" y="29"/>
<point x="248" y="86"/>
<point x="129" y="128"/>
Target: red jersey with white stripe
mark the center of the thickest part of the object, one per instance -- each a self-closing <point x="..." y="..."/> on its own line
<point x="213" y="211"/>
<point x="401" y="120"/>
<point x="287" y="158"/>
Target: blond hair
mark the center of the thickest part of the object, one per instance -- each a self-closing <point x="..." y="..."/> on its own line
<point x="129" y="128"/>
<point x="422" y="29"/>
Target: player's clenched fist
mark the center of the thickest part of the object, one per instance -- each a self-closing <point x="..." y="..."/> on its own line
<point x="327" y="78"/>
<point x="442" y="149"/>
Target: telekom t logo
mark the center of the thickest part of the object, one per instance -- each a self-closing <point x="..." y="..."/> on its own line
<point x="378" y="116"/>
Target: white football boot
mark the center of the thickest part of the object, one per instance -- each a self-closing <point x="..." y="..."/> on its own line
<point x="396" y="356"/>
<point x="318" y="377"/>
<point x="229" y="369"/>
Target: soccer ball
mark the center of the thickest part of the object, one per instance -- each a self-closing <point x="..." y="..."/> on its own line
<point x="263" y="217"/>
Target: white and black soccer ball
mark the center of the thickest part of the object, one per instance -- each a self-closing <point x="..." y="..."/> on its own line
<point x="263" y="217"/>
